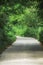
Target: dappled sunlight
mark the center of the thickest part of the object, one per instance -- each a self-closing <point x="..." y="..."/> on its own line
<point x="21" y="32"/>
<point x="30" y="61"/>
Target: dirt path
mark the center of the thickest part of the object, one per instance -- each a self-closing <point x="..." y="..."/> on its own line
<point x="24" y="51"/>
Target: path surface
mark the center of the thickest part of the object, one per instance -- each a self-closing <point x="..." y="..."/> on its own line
<point x="24" y="51"/>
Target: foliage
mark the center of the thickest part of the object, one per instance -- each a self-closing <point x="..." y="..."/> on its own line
<point x="20" y="17"/>
<point x="7" y="35"/>
<point x="31" y="32"/>
<point x="41" y="36"/>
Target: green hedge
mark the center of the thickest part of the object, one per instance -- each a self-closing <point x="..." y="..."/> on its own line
<point x="41" y="36"/>
<point x="31" y="32"/>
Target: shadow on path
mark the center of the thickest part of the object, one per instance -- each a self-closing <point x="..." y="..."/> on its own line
<point x="20" y="48"/>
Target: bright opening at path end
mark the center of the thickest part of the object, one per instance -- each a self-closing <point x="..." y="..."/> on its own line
<point x="26" y="40"/>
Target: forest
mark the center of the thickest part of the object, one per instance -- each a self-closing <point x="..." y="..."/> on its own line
<point x="20" y="18"/>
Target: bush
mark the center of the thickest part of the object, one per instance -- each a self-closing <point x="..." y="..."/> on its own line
<point x="41" y="37"/>
<point x="7" y="34"/>
<point x="31" y="32"/>
<point x="6" y="40"/>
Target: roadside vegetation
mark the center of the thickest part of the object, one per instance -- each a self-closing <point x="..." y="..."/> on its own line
<point x="20" y="17"/>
